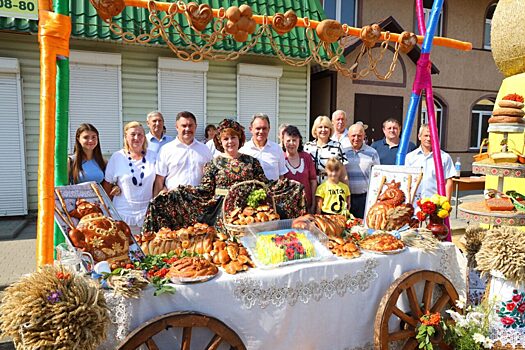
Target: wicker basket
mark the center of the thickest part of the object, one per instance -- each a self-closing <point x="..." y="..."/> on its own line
<point x="230" y="203"/>
<point x="508" y="36"/>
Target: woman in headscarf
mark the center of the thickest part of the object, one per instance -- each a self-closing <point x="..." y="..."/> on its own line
<point x="186" y="205"/>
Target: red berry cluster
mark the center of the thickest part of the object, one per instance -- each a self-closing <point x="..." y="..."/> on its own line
<point x="513" y="97"/>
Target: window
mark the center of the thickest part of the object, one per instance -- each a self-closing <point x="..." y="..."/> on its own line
<point x="488" y="26"/>
<point x="440" y="122"/>
<point x="13" y="170"/>
<point x="344" y="11"/>
<point x="182" y="87"/>
<point x="96" y="97"/>
<point x="481" y="112"/>
<point x="427" y="8"/>
<point x="258" y="92"/>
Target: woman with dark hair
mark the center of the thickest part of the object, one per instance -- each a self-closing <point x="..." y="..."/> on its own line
<point x="209" y="132"/>
<point x="86" y="163"/>
<point x="300" y="165"/>
<point x="187" y="205"/>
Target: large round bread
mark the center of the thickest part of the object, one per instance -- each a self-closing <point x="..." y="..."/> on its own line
<point x="511" y="104"/>
<point x="505" y="119"/>
<point x="508" y="111"/>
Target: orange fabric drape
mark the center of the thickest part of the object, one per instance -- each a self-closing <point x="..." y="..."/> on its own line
<point x="54" y="31"/>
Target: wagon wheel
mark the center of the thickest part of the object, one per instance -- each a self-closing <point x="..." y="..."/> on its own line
<point x="185" y="320"/>
<point x="406" y="322"/>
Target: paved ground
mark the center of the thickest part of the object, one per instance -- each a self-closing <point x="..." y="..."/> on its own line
<point x="18" y="247"/>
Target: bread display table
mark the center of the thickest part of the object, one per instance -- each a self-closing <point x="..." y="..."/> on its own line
<point x="330" y="304"/>
<point x="466" y="184"/>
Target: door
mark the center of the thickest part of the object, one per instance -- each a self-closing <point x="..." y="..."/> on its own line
<point x="323" y="91"/>
<point x="373" y="110"/>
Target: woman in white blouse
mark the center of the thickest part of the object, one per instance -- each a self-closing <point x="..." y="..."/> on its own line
<point x="132" y="169"/>
<point x="323" y="148"/>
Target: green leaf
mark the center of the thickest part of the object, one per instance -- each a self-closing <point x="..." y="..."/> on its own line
<point x="165" y="289"/>
<point x="421" y="345"/>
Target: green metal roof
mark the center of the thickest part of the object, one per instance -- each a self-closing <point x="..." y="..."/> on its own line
<point x="87" y="24"/>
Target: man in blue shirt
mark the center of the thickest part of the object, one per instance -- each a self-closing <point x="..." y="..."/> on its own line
<point x="156" y="137"/>
<point x="387" y="147"/>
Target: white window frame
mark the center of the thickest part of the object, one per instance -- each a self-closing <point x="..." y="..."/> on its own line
<point x="100" y="59"/>
<point x="173" y="64"/>
<point x="486" y="46"/>
<point x="426" y="12"/>
<point x="11" y="66"/>
<point x="338" y="8"/>
<point x="481" y="115"/>
<point x="261" y="71"/>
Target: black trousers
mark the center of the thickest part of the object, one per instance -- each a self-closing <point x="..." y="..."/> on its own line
<point x="358" y="203"/>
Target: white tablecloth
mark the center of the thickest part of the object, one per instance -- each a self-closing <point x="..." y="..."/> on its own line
<point x="323" y="305"/>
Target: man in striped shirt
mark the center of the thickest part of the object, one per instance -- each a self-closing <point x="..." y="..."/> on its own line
<point x="361" y="158"/>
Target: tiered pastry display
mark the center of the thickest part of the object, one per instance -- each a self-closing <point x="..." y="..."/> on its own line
<point x="390" y="212"/>
<point x="382" y="243"/>
<point x="191" y="268"/>
<point x="193" y="239"/>
<point x="502" y="168"/>
<point x="273" y="249"/>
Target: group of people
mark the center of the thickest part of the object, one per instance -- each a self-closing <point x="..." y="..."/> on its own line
<point x="157" y="180"/>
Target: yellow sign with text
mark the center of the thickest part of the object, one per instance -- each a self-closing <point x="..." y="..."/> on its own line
<point x="24" y="9"/>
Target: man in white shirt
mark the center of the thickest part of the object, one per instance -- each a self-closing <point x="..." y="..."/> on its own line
<point x="268" y="153"/>
<point x="340" y="134"/>
<point x="156" y="137"/>
<point x="181" y="162"/>
<point x="422" y="157"/>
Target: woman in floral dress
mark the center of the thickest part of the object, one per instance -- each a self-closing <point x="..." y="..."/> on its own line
<point x="187" y="205"/>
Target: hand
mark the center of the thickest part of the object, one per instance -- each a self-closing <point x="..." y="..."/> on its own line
<point x="115" y="191"/>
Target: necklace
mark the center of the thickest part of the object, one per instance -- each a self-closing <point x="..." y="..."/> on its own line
<point x="134" y="179"/>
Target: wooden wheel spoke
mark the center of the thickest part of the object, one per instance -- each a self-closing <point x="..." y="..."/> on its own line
<point x="414" y="304"/>
<point x="411" y="344"/>
<point x="403" y="316"/>
<point x="441" y="302"/>
<point x="214" y="343"/>
<point x="151" y="344"/>
<point x="400" y="335"/>
<point x="186" y="338"/>
<point x="427" y="294"/>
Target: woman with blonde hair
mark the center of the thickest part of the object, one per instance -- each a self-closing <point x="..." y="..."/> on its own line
<point x="130" y="175"/>
<point x="323" y="148"/>
<point x="86" y="163"/>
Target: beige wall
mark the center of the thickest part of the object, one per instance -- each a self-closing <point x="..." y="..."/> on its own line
<point x="464" y="77"/>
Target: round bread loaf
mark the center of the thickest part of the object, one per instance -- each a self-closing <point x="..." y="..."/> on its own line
<point x="511" y="104"/>
<point x="508" y="111"/>
<point x="505" y="119"/>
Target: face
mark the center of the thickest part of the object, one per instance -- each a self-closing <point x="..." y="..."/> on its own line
<point x="135" y="138"/>
<point x="424" y="137"/>
<point x="339" y="121"/>
<point x="333" y="175"/>
<point x="291" y="143"/>
<point x="88" y="140"/>
<point x="260" y="130"/>
<point x="230" y="143"/>
<point x="156" y="124"/>
<point x="186" y="128"/>
<point x="323" y="132"/>
<point x="391" y="130"/>
<point x="357" y="137"/>
<point x="212" y="133"/>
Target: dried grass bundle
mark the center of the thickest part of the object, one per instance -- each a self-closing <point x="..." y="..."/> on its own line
<point x="128" y="284"/>
<point x="421" y="238"/>
<point x="473" y="239"/>
<point x="54" y="309"/>
<point x="503" y="249"/>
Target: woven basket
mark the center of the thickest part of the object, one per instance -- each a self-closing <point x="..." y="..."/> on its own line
<point x="239" y="230"/>
<point x="508" y="36"/>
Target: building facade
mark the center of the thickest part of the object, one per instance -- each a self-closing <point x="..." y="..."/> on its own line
<point x="465" y="83"/>
<point x="112" y="83"/>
